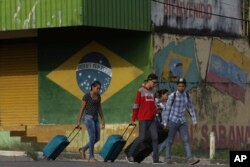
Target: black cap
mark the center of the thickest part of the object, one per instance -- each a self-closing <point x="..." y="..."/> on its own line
<point x="181" y="80"/>
<point x="152" y="76"/>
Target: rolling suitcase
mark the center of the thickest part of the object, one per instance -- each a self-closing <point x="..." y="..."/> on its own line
<point x="144" y="149"/>
<point x="58" y="143"/>
<point x="114" y="145"/>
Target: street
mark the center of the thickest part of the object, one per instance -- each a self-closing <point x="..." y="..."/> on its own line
<point x="81" y="164"/>
<point x="73" y="160"/>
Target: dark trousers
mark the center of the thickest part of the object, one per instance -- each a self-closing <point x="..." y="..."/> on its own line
<point x="145" y="127"/>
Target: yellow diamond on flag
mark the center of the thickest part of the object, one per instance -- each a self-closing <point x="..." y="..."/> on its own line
<point x="185" y="61"/>
<point x="123" y="72"/>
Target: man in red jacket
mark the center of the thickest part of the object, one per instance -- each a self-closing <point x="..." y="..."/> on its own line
<point x="145" y="110"/>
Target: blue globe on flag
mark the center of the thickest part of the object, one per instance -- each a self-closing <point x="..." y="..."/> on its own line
<point x="92" y="67"/>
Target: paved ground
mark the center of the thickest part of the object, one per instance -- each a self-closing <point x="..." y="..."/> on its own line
<point x="20" y="159"/>
<point x="83" y="164"/>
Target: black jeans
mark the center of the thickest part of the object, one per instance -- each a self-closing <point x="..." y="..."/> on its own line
<point x="145" y="127"/>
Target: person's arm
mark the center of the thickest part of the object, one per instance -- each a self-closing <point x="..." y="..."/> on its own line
<point x="136" y="107"/>
<point x="166" y="113"/>
<point x="191" y="110"/>
<point x="101" y="115"/>
<point x="81" y="113"/>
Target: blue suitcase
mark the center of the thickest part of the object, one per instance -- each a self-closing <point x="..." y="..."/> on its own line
<point x="114" y="145"/>
<point x="58" y="143"/>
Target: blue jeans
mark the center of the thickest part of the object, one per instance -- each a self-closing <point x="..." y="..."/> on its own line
<point x="146" y="128"/>
<point x="183" y="131"/>
<point x="162" y="146"/>
<point x="92" y="125"/>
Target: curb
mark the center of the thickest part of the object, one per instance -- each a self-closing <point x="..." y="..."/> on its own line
<point x="14" y="156"/>
<point x="12" y="153"/>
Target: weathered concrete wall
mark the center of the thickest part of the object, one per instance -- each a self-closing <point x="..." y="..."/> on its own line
<point x="219" y="91"/>
<point x="220" y="107"/>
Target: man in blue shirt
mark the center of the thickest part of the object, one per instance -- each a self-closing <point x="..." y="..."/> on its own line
<point x="174" y="119"/>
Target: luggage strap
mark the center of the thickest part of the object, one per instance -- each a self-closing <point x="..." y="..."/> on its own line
<point x="79" y="129"/>
<point x="134" y="126"/>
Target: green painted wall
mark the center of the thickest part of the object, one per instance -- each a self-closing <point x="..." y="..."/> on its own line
<point x="56" y="105"/>
<point x="123" y="14"/>
<point x="33" y="14"/>
<point x="7" y="142"/>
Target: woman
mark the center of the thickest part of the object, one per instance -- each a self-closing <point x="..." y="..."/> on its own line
<point x="161" y="104"/>
<point x="91" y="105"/>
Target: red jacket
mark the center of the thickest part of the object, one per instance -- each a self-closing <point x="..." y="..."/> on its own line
<point x="144" y="107"/>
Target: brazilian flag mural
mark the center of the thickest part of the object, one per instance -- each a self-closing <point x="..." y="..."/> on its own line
<point x="70" y="61"/>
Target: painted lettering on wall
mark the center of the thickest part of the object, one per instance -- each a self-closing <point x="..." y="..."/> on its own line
<point x="233" y="136"/>
<point x="206" y="17"/>
<point x="187" y="9"/>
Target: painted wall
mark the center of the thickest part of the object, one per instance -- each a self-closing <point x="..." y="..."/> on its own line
<point x="71" y="59"/>
<point x="197" y="17"/>
<point x="217" y="72"/>
<point x="35" y="14"/>
<point x="215" y="68"/>
<point x="31" y="14"/>
<point x="7" y="142"/>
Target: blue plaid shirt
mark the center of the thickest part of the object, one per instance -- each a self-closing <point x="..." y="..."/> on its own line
<point x="176" y="106"/>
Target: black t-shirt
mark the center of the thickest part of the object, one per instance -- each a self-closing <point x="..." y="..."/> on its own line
<point x="92" y="105"/>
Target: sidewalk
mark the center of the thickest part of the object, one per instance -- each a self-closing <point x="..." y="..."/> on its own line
<point x="68" y="156"/>
<point x="14" y="156"/>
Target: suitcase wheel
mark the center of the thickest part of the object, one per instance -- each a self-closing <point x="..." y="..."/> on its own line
<point x="45" y="158"/>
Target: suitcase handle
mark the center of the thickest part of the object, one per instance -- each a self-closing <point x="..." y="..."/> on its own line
<point x="79" y="129"/>
<point x="134" y="126"/>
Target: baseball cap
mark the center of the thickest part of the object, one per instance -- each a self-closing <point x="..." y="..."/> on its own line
<point x="181" y="80"/>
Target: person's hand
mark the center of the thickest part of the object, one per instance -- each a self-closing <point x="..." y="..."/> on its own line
<point x="158" y="110"/>
<point x="78" y="126"/>
<point x="165" y="127"/>
<point x="132" y="122"/>
<point x="102" y="125"/>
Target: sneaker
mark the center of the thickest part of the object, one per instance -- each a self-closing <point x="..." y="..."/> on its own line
<point x="158" y="162"/>
<point x="193" y="161"/>
<point x="130" y="160"/>
<point x="169" y="161"/>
